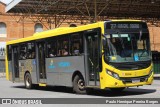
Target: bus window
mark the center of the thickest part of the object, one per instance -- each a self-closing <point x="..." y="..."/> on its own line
<point x="63" y="46"/>
<point x="22" y="50"/>
<point x="76" y="44"/>
<point x="9" y="50"/>
<point x="31" y="51"/>
<point x="51" y="48"/>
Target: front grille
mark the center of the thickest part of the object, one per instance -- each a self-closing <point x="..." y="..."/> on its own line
<point x="131" y="79"/>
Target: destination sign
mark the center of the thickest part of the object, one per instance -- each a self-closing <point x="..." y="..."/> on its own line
<point x="127" y="25"/>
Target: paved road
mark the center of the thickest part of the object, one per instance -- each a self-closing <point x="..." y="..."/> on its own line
<point x="17" y="90"/>
<point x="9" y="89"/>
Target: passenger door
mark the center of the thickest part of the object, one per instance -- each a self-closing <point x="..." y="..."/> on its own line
<point x="15" y="63"/>
<point x="41" y="65"/>
<point x="92" y="56"/>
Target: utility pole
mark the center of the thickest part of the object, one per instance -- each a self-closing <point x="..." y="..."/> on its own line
<point x="95" y="10"/>
<point x="23" y="26"/>
<point x="55" y="21"/>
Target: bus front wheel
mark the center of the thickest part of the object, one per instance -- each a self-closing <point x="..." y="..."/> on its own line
<point x="79" y="85"/>
<point x="28" y="81"/>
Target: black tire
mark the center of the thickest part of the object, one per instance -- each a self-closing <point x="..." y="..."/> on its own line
<point x="28" y="81"/>
<point x="117" y="89"/>
<point x="79" y="85"/>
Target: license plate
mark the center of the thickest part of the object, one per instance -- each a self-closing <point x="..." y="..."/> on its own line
<point x="135" y="80"/>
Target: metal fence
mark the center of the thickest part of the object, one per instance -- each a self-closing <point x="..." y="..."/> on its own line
<point x="156" y="62"/>
<point x="2" y="66"/>
<point x="2" y="70"/>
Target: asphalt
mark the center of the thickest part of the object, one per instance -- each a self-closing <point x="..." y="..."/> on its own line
<point x="18" y="90"/>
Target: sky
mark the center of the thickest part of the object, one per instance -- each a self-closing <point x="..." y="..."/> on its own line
<point x="6" y="1"/>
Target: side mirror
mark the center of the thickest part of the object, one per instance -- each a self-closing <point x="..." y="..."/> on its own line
<point x="104" y="43"/>
<point x="102" y="52"/>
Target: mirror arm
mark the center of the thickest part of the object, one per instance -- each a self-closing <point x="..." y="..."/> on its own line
<point x="103" y="35"/>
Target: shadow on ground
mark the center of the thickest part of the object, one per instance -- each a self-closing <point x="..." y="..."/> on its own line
<point x="95" y="92"/>
<point x="126" y="92"/>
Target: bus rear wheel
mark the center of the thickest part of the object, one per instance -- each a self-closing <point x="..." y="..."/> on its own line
<point x="28" y="81"/>
<point x="79" y="85"/>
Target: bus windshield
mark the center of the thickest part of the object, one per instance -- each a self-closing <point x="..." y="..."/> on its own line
<point x="127" y="47"/>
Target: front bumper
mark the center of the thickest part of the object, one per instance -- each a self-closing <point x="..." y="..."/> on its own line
<point x="111" y="82"/>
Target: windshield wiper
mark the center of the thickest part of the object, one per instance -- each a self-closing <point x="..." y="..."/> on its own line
<point x="140" y="35"/>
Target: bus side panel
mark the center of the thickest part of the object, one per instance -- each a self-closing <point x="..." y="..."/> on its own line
<point x="21" y="69"/>
<point x="52" y="73"/>
<point x="28" y="65"/>
<point x="60" y="69"/>
<point x="34" y="73"/>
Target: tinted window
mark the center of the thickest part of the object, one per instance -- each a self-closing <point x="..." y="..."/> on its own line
<point x="76" y="44"/>
<point x="31" y="51"/>
<point x="9" y="51"/>
<point x="22" y="50"/>
<point x="52" y="47"/>
<point x="63" y="46"/>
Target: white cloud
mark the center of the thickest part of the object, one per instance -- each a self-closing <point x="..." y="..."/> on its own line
<point x="6" y="1"/>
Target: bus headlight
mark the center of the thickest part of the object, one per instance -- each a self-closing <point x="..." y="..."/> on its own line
<point x="150" y="73"/>
<point x="113" y="74"/>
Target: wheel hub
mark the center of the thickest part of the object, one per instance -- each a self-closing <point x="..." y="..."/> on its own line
<point x="27" y="81"/>
<point x="81" y="84"/>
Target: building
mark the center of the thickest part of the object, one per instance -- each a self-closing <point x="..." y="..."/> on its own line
<point x="12" y="28"/>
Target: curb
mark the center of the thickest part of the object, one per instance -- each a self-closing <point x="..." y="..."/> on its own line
<point x="156" y="76"/>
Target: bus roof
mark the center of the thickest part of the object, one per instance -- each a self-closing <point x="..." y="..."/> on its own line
<point x="55" y="32"/>
<point x="126" y="20"/>
<point x="63" y="30"/>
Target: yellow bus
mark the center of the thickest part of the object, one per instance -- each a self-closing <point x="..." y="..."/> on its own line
<point x="112" y="54"/>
